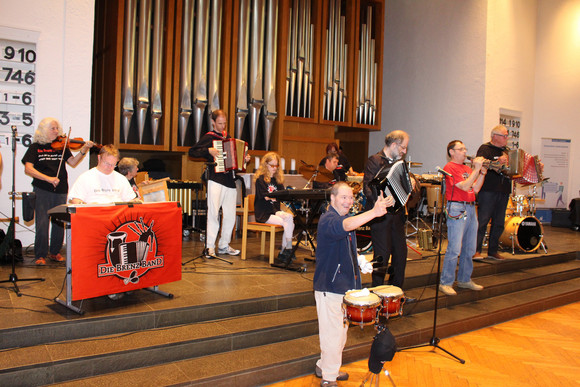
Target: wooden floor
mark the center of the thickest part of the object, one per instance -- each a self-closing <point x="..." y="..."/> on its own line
<point x="538" y="350"/>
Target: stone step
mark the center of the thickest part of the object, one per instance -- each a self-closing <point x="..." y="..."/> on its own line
<point x="94" y="327"/>
<point x="269" y="363"/>
<point x="105" y="353"/>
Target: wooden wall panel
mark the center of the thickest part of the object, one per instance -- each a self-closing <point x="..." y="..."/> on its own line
<point x="293" y="137"/>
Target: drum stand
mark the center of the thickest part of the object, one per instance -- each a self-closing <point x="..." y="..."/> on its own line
<point x="434" y="342"/>
<point x="375" y="378"/>
<point x="13" y="278"/>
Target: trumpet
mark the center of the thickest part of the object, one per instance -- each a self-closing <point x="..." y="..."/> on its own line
<point x="494" y="165"/>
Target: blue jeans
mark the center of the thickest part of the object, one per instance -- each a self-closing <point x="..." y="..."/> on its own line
<point x="461" y="234"/>
<point x="46" y="200"/>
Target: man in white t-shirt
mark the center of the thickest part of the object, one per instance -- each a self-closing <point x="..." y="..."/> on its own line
<point x="102" y="184"/>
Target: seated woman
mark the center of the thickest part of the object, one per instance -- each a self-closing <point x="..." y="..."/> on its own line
<point x="128" y="167"/>
<point x="269" y="178"/>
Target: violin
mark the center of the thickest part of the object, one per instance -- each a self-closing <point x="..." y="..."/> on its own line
<point x="72" y="143"/>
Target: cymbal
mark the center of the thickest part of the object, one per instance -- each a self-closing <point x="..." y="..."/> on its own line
<point x="413" y="164"/>
<point x="306" y="170"/>
<point x="324" y="175"/>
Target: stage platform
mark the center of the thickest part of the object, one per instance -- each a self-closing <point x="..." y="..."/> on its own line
<point x="219" y="309"/>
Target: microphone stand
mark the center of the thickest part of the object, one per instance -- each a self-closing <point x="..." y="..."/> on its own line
<point x="13" y="278"/>
<point x="205" y="253"/>
<point x="434" y="342"/>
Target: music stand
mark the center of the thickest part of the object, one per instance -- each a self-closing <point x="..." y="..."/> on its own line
<point x="205" y="253"/>
<point x="13" y="278"/>
<point x="434" y="342"/>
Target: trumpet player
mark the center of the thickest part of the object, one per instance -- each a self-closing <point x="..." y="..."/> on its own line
<point x="462" y="184"/>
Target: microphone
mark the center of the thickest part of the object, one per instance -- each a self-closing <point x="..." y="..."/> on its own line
<point x="442" y="171"/>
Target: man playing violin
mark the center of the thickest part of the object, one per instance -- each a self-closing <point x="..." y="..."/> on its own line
<point x="50" y="181"/>
<point x="494" y="194"/>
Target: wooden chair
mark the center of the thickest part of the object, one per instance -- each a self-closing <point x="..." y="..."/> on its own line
<point x="263" y="228"/>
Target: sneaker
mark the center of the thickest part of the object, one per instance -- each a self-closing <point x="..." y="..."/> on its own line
<point x="326" y="383"/>
<point x="228" y="250"/>
<point x="448" y="289"/>
<point x="40" y="261"/>
<point x="57" y="258"/>
<point x="341" y="375"/>
<point x="469" y="285"/>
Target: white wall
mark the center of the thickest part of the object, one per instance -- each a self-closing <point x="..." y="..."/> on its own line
<point x="557" y="82"/>
<point x="450" y="65"/>
<point x="511" y="52"/>
<point x="434" y="76"/>
<point x="63" y="79"/>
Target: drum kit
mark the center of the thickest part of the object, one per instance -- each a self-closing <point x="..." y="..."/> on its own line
<point x="363" y="307"/>
<point x="522" y="229"/>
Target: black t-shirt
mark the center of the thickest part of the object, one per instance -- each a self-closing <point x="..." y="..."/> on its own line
<point x="264" y="208"/>
<point x="46" y="160"/>
<point x="494" y="182"/>
<point x="201" y="149"/>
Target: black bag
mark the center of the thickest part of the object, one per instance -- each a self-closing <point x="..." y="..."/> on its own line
<point x="28" y="205"/>
<point x="6" y="248"/>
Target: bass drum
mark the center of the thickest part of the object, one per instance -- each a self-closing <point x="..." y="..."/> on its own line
<point x="526" y="232"/>
<point x="364" y="243"/>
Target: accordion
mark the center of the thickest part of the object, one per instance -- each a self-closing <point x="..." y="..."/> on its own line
<point x="524" y="168"/>
<point x="231" y="155"/>
<point x="397" y="183"/>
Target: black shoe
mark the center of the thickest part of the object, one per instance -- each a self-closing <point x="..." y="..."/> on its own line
<point x="283" y="257"/>
<point x="290" y="255"/>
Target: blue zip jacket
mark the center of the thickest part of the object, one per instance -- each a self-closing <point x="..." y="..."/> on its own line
<point x="336" y="257"/>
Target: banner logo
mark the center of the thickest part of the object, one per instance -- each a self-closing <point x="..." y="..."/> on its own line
<point x="131" y="251"/>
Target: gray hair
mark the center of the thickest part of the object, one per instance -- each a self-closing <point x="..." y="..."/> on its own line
<point x="41" y="134"/>
<point x="126" y="165"/>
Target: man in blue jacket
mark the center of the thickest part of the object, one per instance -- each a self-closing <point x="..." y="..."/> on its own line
<point x="337" y="271"/>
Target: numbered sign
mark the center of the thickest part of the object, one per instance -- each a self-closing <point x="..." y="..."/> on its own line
<point x="17" y="85"/>
<point x="512" y="122"/>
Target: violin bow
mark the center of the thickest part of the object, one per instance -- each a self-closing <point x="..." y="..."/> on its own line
<point x="63" y="150"/>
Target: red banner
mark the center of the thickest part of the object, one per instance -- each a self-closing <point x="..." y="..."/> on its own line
<point x="116" y="249"/>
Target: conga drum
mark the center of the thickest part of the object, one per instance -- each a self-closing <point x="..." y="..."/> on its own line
<point x="392" y="298"/>
<point x="361" y="310"/>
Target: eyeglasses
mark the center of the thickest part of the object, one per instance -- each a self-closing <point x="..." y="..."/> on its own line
<point x="460" y="149"/>
<point x="501" y="135"/>
<point x="273" y="166"/>
<point x="402" y="147"/>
